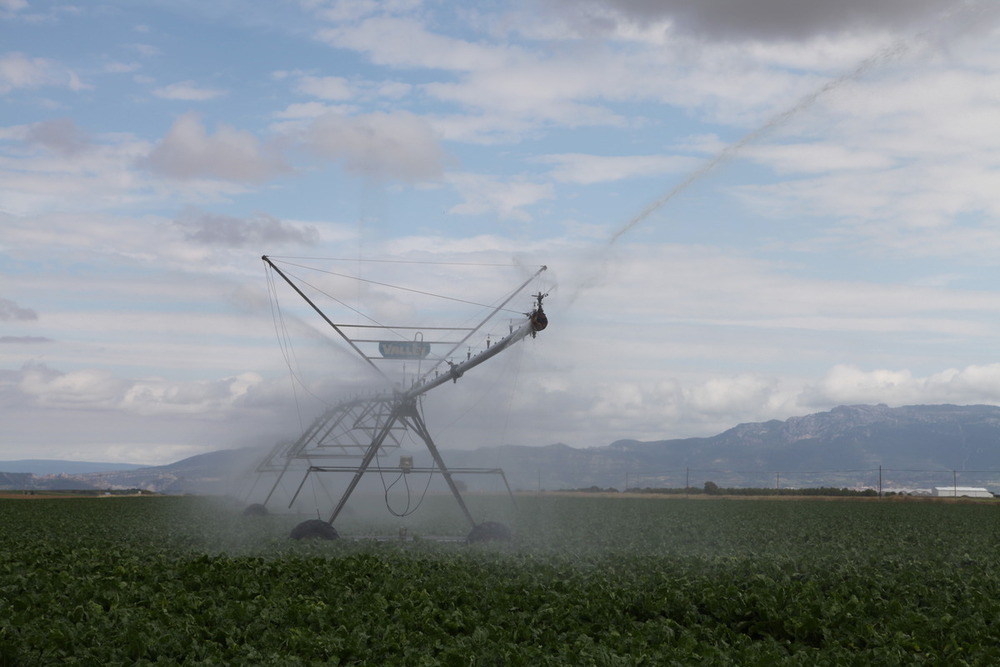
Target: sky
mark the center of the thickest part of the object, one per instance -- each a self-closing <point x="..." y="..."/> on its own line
<point x="748" y="210"/>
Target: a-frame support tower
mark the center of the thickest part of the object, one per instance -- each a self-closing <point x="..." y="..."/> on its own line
<point x="365" y="427"/>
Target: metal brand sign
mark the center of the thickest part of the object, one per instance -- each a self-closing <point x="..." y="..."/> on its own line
<point x="405" y="349"/>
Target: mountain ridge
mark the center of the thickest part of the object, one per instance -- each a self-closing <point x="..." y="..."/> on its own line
<point x="845" y="446"/>
<point x="63" y="466"/>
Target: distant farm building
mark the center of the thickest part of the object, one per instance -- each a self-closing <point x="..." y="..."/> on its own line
<point x="964" y="491"/>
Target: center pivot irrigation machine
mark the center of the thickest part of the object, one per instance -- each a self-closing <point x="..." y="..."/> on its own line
<point x="352" y="434"/>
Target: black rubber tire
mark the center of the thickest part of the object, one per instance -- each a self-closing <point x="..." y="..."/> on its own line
<point x="255" y="510"/>
<point x="314" y="529"/>
<point x="489" y="531"/>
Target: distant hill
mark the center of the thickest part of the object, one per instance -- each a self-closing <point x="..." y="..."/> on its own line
<point x="218" y="472"/>
<point x="56" y="467"/>
<point x="916" y="446"/>
<point x="211" y="473"/>
<point x="844" y="446"/>
<point x="857" y="436"/>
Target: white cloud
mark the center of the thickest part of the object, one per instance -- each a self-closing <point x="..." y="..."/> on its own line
<point x="753" y="20"/>
<point x="818" y="158"/>
<point x="508" y="200"/>
<point x="404" y="42"/>
<point x="901" y="159"/>
<point x="121" y="68"/>
<point x="559" y="91"/>
<point x="145" y="420"/>
<point x="326" y="88"/>
<point x="212" y="397"/>
<point x="847" y="384"/>
<point x="397" y="145"/>
<point x="677" y="407"/>
<point x="687" y="407"/>
<point x="393" y="90"/>
<point x="194" y="242"/>
<point x="588" y="169"/>
<point x="187" y="91"/>
<point x="145" y="50"/>
<point x="20" y="71"/>
<point x="92" y="387"/>
<point x="61" y="136"/>
<point x="307" y="110"/>
<point x="258" y="231"/>
<point x="190" y="152"/>
<point x="708" y="285"/>
<point x="576" y="85"/>
<point x="10" y="311"/>
<point x="482" y="128"/>
<point x="341" y="89"/>
<point x="743" y="394"/>
<point x="55" y="165"/>
<point x="358" y="9"/>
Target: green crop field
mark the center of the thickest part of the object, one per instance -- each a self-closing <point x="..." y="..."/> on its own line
<point x="601" y="580"/>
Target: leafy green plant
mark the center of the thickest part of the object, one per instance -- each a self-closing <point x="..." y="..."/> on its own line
<point x="595" y="580"/>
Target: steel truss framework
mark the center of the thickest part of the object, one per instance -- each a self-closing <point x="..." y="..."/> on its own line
<point x="363" y="428"/>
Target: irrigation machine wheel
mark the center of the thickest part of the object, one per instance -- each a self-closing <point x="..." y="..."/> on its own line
<point x="314" y="529"/>
<point x="255" y="510"/>
<point x="489" y="531"/>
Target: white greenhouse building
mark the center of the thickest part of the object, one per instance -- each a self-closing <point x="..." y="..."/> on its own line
<point x="961" y="491"/>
